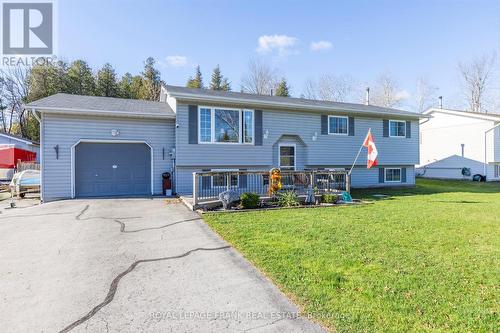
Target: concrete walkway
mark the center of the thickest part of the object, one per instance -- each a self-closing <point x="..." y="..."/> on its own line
<point x="127" y="265"/>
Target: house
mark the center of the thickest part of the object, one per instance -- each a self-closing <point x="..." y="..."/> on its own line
<point x="7" y="139"/>
<point x="99" y="146"/>
<point x="453" y="142"/>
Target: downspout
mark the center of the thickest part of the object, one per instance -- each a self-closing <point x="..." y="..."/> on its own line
<point x="485" y="149"/>
<point x="37" y="117"/>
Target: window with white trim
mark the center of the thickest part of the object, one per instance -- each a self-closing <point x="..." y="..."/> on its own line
<point x="338" y="125"/>
<point x="287" y="157"/>
<point x="393" y="175"/>
<point x="225" y="125"/>
<point x="221" y="181"/>
<point x="397" y="128"/>
<point x="496" y="173"/>
<point x="205" y="125"/>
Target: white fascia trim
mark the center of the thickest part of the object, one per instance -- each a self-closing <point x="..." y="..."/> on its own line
<point x="219" y="99"/>
<point x="101" y="112"/>
<point x="483" y="116"/>
<point x="73" y="194"/>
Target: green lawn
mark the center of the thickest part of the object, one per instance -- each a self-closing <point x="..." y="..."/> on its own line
<point x="424" y="259"/>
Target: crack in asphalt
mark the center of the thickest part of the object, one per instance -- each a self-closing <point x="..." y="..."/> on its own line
<point x="114" y="284"/>
<point x="82" y="212"/>
<point x="86" y="208"/>
<point x="123" y="226"/>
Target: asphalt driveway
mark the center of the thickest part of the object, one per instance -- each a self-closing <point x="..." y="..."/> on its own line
<point x="130" y="265"/>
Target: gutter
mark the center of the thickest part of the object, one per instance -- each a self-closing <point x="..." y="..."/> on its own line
<point x="98" y="112"/>
<point x="291" y="106"/>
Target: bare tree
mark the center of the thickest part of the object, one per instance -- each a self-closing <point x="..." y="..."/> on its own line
<point x="310" y="89"/>
<point x="425" y="94"/>
<point x="260" y="79"/>
<point x="14" y="92"/>
<point x="476" y="77"/>
<point x="329" y="88"/>
<point x="386" y="92"/>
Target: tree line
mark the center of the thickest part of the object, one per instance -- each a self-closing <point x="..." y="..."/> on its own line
<point x="476" y="78"/>
<point x="20" y="85"/>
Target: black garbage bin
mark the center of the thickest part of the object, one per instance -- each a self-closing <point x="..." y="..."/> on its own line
<point x="167" y="183"/>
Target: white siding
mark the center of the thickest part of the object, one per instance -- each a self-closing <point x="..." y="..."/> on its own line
<point x="443" y="134"/>
<point x="66" y="130"/>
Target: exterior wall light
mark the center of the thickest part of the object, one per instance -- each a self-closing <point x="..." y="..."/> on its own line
<point x="115" y="132"/>
<point x="315" y="136"/>
<point x="266" y="134"/>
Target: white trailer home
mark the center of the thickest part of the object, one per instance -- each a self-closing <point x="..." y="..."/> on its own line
<point x="453" y="142"/>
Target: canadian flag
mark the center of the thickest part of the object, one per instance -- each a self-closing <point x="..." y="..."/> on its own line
<point x="372" y="150"/>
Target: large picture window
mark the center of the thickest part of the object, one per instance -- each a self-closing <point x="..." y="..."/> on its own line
<point x="227" y="125"/>
<point x="221" y="125"/>
<point x="397" y="128"/>
<point x="338" y="125"/>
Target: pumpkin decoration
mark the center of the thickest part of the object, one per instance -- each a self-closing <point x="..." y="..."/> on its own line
<point x="274" y="181"/>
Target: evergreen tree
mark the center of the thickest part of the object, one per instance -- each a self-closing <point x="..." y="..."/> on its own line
<point x="80" y="79"/>
<point x="125" y="86"/>
<point x="151" y="81"/>
<point x="218" y="81"/>
<point x="106" y="84"/>
<point x="46" y="79"/>
<point x="283" y="89"/>
<point x="197" y="81"/>
<point x="136" y="87"/>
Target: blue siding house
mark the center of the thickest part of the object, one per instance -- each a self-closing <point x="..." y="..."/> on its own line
<point x="133" y="142"/>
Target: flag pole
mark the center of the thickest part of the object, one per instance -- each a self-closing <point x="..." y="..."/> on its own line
<point x="357" y="155"/>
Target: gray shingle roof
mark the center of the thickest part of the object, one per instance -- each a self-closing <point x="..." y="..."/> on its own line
<point x="102" y="104"/>
<point x="278" y="101"/>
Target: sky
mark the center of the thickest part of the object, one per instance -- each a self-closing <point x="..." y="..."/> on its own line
<point x="301" y="39"/>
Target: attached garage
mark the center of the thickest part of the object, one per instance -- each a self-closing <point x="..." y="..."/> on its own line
<point x="112" y="169"/>
<point x="103" y="147"/>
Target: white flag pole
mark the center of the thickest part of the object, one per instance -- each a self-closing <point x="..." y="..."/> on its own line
<point x="357" y="155"/>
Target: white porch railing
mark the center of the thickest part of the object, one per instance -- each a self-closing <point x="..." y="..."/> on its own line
<point x="208" y="185"/>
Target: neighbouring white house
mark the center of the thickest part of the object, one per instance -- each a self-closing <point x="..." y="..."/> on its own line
<point x="459" y="144"/>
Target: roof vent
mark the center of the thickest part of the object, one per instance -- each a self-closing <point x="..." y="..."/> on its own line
<point x="440" y="102"/>
<point x="367" y="98"/>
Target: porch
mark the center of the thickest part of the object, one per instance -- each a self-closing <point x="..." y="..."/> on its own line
<point x="208" y="185"/>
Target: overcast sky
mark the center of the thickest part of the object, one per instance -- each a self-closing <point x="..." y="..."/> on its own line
<point x="302" y="39"/>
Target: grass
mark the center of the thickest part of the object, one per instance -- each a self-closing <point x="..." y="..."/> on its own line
<point x="425" y="259"/>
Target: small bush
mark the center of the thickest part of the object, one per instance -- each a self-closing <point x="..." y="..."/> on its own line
<point x="288" y="199"/>
<point x="329" y="198"/>
<point x="249" y="200"/>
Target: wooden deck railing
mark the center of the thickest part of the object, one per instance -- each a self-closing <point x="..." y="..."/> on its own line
<point x="208" y="185"/>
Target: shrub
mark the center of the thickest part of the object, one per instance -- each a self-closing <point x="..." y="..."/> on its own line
<point x="329" y="198"/>
<point x="288" y="199"/>
<point x="249" y="200"/>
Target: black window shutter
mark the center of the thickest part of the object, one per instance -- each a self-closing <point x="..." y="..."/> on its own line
<point x="243" y="180"/>
<point x="258" y="127"/>
<point x="324" y="124"/>
<point x="408" y="129"/>
<point x="206" y="181"/>
<point x="381" y="175"/>
<point x="193" y="124"/>
<point x="403" y="175"/>
<point x="351" y="126"/>
<point x="386" y="128"/>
